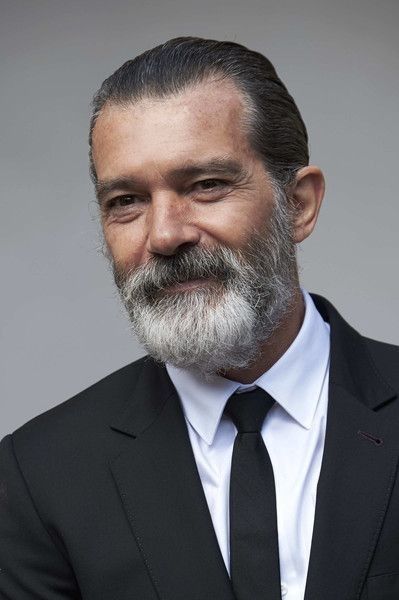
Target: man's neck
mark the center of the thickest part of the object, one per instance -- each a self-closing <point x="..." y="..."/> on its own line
<point x="276" y="345"/>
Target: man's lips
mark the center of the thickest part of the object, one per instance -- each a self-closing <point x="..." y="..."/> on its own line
<point x="191" y="284"/>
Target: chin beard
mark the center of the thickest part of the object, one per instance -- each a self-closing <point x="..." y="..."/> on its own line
<point x="222" y="324"/>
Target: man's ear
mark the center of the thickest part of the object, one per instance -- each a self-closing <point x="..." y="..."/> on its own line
<point x="307" y="195"/>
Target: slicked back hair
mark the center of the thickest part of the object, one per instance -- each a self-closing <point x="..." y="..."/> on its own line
<point x="276" y="130"/>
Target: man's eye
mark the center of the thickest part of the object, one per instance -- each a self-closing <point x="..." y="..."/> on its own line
<point x="209" y="185"/>
<point x="124" y="201"/>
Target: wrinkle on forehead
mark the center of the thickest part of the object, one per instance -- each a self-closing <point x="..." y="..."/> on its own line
<point x="211" y="100"/>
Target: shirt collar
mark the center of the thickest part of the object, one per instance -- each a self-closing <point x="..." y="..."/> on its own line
<point x="295" y="381"/>
<point x="203" y="400"/>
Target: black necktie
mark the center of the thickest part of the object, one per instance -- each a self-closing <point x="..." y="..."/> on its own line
<point x="254" y="559"/>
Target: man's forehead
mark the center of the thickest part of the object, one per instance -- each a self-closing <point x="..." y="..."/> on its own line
<point x="208" y="101"/>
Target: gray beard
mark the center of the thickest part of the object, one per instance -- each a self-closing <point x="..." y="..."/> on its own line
<point x="221" y="326"/>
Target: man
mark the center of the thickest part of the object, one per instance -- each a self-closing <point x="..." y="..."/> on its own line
<point x="255" y="454"/>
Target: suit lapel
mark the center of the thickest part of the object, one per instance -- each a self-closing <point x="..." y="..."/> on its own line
<point x="163" y="497"/>
<point x="353" y="491"/>
<point x="358" y="468"/>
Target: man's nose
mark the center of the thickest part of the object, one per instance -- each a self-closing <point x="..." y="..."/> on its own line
<point x="170" y="226"/>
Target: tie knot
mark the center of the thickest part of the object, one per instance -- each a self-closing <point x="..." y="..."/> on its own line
<point x="248" y="410"/>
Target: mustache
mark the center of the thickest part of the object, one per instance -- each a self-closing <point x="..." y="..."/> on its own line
<point x="194" y="262"/>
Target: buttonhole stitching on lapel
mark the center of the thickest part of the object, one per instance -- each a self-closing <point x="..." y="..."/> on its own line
<point x="368" y="436"/>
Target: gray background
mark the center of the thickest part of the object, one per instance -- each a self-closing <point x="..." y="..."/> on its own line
<point x="62" y="327"/>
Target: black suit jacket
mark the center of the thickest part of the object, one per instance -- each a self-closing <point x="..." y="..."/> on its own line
<point x="100" y="498"/>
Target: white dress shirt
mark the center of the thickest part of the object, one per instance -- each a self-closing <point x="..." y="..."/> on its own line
<point x="293" y="432"/>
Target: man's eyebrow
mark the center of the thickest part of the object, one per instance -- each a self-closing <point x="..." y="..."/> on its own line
<point x="216" y="166"/>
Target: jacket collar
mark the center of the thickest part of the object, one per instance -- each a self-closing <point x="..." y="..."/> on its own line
<point x="147" y="398"/>
<point x="351" y="365"/>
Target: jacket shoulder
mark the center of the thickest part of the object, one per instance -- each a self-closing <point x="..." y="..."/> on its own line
<point x="87" y="410"/>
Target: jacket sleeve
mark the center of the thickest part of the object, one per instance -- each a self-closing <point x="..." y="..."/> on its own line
<point x="32" y="567"/>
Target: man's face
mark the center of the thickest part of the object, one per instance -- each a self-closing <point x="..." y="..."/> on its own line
<point x="201" y="257"/>
<point x="181" y="173"/>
